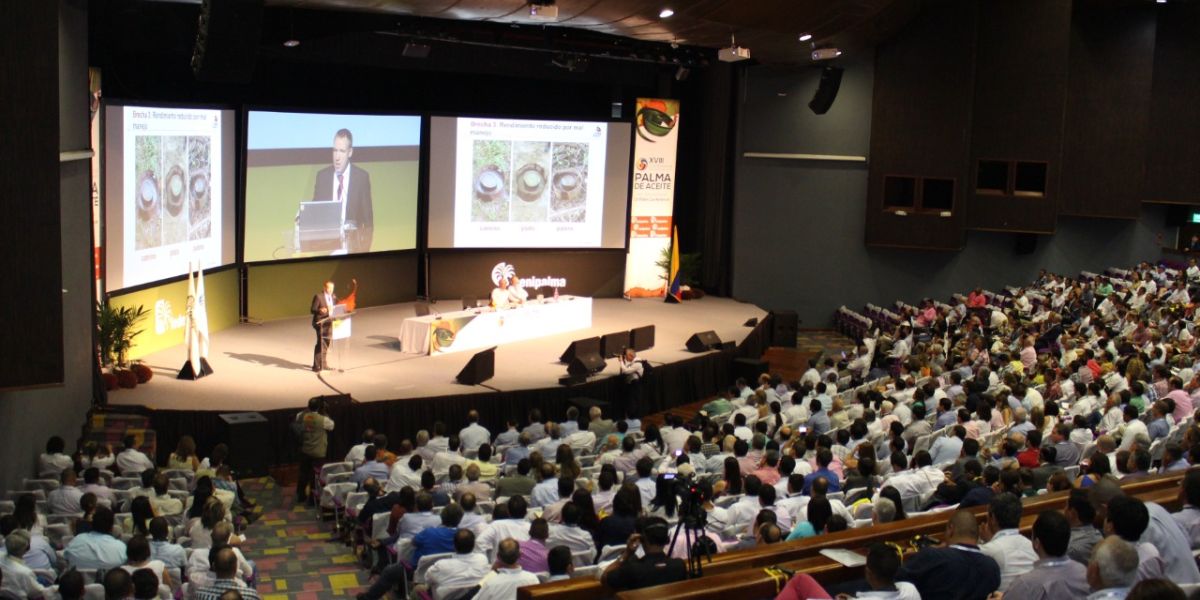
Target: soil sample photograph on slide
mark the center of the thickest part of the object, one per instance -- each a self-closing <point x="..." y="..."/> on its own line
<point x="568" y="183"/>
<point x="174" y="190"/>
<point x="531" y="181"/>
<point x="491" y="183"/>
<point x="199" y="197"/>
<point x="148" y="193"/>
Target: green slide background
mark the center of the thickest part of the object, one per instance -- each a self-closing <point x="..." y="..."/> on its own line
<point x="273" y="195"/>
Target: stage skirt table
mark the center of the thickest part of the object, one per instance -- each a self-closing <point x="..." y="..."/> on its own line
<point x="484" y="327"/>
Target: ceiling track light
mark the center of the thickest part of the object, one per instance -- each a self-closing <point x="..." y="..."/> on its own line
<point x="804" y="37"/>
<point x="666" y="13"/>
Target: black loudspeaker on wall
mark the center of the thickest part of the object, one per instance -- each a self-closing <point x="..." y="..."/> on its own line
<point x="703" y="341"/>
<point x="479" y="369"/>
<point x="827" y="90"/>
<point x="1024" y="243"/>
<point x="227" y="40"/>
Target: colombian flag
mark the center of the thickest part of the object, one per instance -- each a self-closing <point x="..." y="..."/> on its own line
<point x="673" y="292"/>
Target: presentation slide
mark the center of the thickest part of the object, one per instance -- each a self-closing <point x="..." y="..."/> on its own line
<point x="168" y="192"/>
<point x="513" y="183"/>
<point x="328" y="184"/>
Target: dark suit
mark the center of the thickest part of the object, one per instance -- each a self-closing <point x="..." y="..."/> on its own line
<point x="359" y="209"/>
<point x="324" y="330"/>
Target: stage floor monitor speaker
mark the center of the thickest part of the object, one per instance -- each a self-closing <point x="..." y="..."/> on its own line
<point x="580" y="347"/>
<point x="586" y="364"/>
<point x="703" y="341"/>
<point x="641" y="338"/>
<point x="613" y="344"/>
<point x="479" y="369"/>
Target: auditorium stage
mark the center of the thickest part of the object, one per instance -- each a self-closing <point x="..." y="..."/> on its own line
<point x="266" y="367"/>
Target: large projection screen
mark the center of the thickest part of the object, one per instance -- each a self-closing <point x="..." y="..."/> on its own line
<point x="520" y="183"/>
<point x="322" y="184"/>
<point x="169" y="189"/>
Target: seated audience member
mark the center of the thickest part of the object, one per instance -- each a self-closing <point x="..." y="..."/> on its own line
<point x="95" y="454"/>
<point x="1084" y="535"/>
<point x="71" y="585"/>
<point x="92" y="485"/>
<point x="1113" y="568"/>
<point x="54" y="461"/>
<point x="225" y="568"/>
<point x="131" y="460"/>
<point x="502" y="582"/>
<point x="1188" y="517"/>
<point x="414" y="522"/>
<point x="559" y="561"/>
<point x="928" y="568"/>
<point x="507" y="523"/>
<point x="1054" y="575"/>
<point x="370" y="466"/>
<point x="883" y="565"/>
<point x="118" y="585"/>
<point x="653" y="568"/>
<point x="1012" y="551"/>
<point x="546" y="490"/>
<point x="618" y="526"/>
<point x="519" y="484"/>
<point x="18" y="578"/>
<point x="534" y="550"/>
<point x="1128" y="518"/>
<point x="509" y="436"/>
<point x="1156" y="589"/>
<point x="184" y="457"/>
<point x="819" y="512"/>
<point x="357" y="454"/>
<point x="162" y="548"/>
<point x="65" y="499"/>
<point x="145" y="584"/>
<point x="198" y="567"/>
<point x="463" y="570"/>
<point x="137" y="551"/>
<point x="1162" y="533"/>
<point x="569" y="533"/>
<point x="97" y="548"/>
<point x="481" y="490"/>
<point x="436" y="540"/>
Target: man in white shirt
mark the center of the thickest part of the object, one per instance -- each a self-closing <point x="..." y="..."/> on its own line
<point x="1133" y="426"/>
<point x="355" y="455"/>
<point x="516" y="294"/>
<point x="502" y="583"/>
<point x="131" y="460"/>
<point x="54" y="460"/>
<point x="405" y="473"/>
<point x="1012" y="551"/>
<point x="473" y="435"/>
<point x="443" y="460"/>
<point x="65" y="499"/>
<point x="91" y="484"/>
<point x="19" y="579"/>
<point x="569" y="533"/>
<point x="463" y="570"/>
<point x="919" y="482"/>
<point x="514" y="527"/>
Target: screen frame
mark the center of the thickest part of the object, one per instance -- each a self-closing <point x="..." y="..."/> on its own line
<point x="121" y="102"/>
<point x="244" y="138"/>
<point x="526" y="117"/>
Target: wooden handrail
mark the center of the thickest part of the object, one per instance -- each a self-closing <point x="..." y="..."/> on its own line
<point x="799" y="550"/>
<point x="757" y="583"/>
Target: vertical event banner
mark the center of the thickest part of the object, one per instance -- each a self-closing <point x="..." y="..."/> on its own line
<point x="653" y="196"/>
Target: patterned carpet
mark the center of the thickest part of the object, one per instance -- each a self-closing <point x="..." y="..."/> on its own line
<point x="290" y="544"/>
<point x="290" y="547"/>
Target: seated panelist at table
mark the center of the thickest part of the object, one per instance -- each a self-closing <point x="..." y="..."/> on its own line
<point x="500" y="294"/>
<point x="516" y="293"/>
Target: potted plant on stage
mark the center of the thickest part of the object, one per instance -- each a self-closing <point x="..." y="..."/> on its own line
<point x="689" y="271"/>
<point x="116" y="329"/>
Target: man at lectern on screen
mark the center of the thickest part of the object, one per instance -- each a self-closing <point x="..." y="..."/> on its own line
<point x="351" y="186"/>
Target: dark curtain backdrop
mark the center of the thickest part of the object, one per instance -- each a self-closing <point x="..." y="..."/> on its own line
<point x="704" y="194"/>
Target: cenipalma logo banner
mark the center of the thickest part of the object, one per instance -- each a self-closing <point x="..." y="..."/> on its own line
<point x="653" y="196"/>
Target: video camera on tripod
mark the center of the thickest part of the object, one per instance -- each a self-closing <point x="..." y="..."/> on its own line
<point x="693" y="519"/>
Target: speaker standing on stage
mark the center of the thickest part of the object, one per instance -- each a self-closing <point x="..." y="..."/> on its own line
<point x="322" y="305"/>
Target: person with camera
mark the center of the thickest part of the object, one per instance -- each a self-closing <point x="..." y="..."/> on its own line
<point x="629" y="572"/>
<point x="312" y="426"/>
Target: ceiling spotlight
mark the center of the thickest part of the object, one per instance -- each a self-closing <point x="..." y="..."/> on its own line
<point x="1161" y="1"/>
<point x="666" y="13"/>
<point x="292" y="43"/>
<point x="804" y="37"/>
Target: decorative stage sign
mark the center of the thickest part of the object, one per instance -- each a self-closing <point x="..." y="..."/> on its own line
<point x="653" y="196"/>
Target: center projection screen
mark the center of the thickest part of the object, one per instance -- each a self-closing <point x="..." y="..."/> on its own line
<point x="518" y="183"/>
<point x="322" y="184"/>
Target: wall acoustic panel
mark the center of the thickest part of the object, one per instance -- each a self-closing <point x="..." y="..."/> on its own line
<point x="1172" y="154"/>
<point x="1108" y="107"/>
<point x="920" y="126"/>
<point x="1020" y="95"/>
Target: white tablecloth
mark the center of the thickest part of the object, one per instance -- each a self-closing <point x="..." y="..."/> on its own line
<point x="485" y="327"/>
